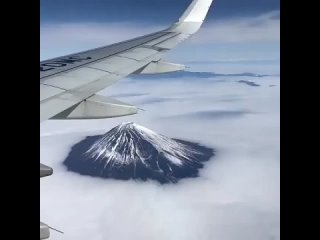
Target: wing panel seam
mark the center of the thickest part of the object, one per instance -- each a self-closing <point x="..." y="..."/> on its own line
<point x="99" y="59"/>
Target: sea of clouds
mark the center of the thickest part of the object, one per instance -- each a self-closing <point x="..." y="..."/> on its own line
<point x="236" y="196"/>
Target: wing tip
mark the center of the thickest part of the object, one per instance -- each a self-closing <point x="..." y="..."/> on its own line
<point x="193" y="17"/>
<point x="196" y="12"/>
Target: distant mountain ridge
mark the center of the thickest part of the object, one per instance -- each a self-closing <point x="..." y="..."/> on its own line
<point x="189" y="74"/>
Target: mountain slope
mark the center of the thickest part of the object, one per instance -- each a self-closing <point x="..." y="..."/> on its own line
<point x="130" y="151"/>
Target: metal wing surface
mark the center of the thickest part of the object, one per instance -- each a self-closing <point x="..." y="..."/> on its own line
<point x="68" y="84"/>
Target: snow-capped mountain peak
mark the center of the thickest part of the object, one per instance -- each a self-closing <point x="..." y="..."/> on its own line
<point x="133" y="151"/>
<point x="130" y="142"/>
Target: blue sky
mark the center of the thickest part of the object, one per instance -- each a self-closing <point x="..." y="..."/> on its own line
<point x="235" y="31"/>
<point x="144" y="10"/>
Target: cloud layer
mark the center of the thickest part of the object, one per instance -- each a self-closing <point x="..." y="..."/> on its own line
<point x="63" y="38"/>
<point x="236" y="196"/>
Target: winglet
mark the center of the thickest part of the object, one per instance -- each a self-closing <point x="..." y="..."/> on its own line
<point x="197" y="11"/>
<point x="192" y="19"/>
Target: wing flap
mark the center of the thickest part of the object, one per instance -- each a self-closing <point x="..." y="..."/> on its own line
<point x="98" y="107"/>
<point x="139" y="65"/>
<point x="67" y="99"/>
<point x="67" y="81"/>
<point x="161" y="67"/>
<point x="57" y="104"/>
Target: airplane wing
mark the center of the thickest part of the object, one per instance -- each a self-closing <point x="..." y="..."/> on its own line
<point x="68" y="84"/>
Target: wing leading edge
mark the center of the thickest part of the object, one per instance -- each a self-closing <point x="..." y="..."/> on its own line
<point x="67" y="81"/>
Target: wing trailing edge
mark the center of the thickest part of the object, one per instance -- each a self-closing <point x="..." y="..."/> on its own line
<point x="161" y="67"/>
<point x="97" y="107"/>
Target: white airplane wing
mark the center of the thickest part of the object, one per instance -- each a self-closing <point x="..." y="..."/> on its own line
<point x="68" y="84"/>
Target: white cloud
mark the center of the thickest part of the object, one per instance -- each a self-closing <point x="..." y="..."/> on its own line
<point x="236" y="197"/>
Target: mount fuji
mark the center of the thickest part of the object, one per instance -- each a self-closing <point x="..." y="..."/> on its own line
<point x="131" y="151"/>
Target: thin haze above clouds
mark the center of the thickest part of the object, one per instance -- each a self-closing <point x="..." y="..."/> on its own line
<point x="65" y="38"/>
<point x="260" y="29"/>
